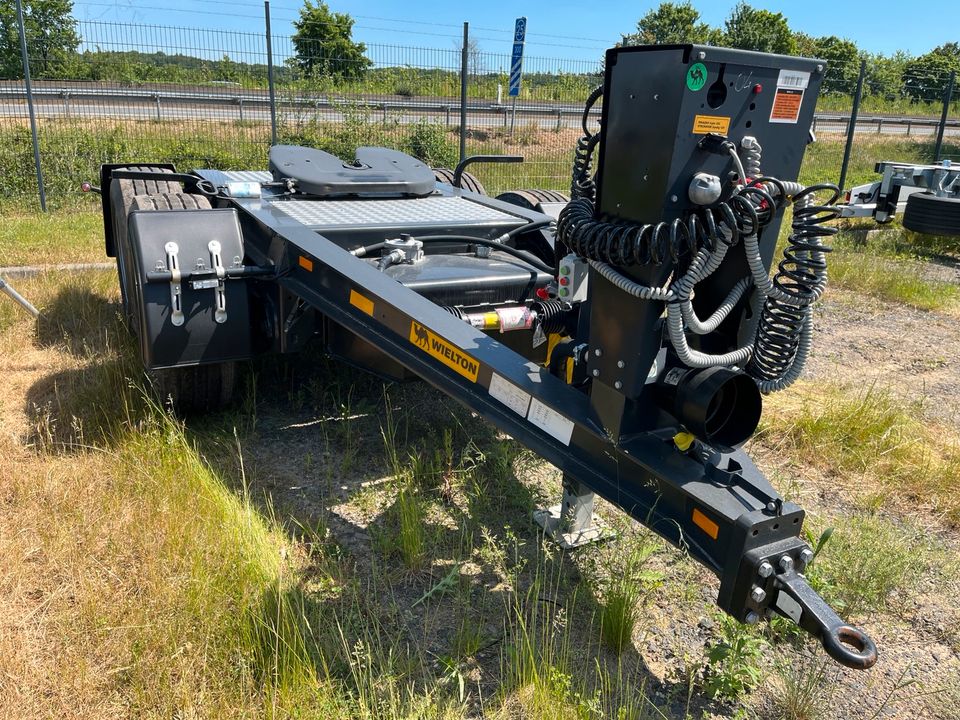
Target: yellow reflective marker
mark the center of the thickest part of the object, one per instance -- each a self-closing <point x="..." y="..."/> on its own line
<point x="362" y="302"/>
<point x="705" y="524"/>
<point x="306" y="263"/>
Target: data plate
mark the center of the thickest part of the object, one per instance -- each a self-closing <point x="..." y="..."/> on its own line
<point x="442" y="211"/>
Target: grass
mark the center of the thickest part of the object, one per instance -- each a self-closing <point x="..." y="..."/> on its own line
<point x="870" y="441"/>
<point x="40" y="239"/>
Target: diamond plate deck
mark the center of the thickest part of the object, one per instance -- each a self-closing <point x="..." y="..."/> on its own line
<point x="442" y="211"/>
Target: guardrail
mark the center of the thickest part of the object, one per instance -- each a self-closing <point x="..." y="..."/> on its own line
<point x="447" y="108"/>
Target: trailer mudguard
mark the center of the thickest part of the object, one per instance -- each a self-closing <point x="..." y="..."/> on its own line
<point x="204" y="318"/>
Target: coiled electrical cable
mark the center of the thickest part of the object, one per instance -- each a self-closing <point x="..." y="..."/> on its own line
<point x="785" y="333"/>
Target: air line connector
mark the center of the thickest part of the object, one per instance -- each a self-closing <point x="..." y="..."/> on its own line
<point x="716" y="144"/>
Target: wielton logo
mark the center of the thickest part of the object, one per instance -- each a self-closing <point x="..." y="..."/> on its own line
<point x="422" y="337"/>
<point x="450" y="355"/>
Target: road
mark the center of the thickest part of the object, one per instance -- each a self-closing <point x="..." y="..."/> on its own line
<point x="90" y="101"/>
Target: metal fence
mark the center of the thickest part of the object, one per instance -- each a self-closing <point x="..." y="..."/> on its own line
<point x="216" y="98"/>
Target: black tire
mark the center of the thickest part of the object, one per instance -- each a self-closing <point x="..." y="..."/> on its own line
<point x="467" y="181"/>
<point x="531" y="199"/>
<point x="170" y="201"/>
<point x="927" y="213"/>
<point x="197" y="389"/>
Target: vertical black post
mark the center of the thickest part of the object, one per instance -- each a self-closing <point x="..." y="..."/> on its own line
<point x="947" y="97"/>
<point x="852" y="127"/>
<point x="273" y="97"/>
<point x="463" y="91"/>
<point x="33" y="117"/>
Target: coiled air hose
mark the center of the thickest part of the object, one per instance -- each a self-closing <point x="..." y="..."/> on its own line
<point x="776" y="356"/>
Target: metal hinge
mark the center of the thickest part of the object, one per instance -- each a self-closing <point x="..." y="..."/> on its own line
<point x="220" y="314"/>
<point x="176" y="290"/>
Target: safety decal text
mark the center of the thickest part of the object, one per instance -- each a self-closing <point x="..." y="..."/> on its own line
<point x="703" y="124"/>
<point x="450" y="355"/>
<point x="550" y="421"/>
<point x="509" y="394"/>
<point x="786" y="106"/>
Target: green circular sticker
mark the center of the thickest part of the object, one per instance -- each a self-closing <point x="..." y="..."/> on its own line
<point x="696" y="76"/>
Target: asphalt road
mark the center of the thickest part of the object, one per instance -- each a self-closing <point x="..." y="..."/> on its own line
<point x="173" y="111"/>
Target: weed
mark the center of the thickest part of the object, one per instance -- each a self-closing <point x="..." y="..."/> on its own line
<point x="733" y="660"/>
<point x="868" y="559"/>
<point x="411" y="538"/>
<point x="628" y="582"/>
<point x="800" y="689"/>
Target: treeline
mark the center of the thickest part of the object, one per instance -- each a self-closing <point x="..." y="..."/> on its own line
<point x="892" y="77"/>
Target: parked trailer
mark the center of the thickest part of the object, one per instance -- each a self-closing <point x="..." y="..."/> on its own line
<point x="627" y="337"/>
<point x="927" y="196"/>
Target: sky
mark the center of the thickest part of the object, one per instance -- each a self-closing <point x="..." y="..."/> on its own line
<point x="578" y="30"/>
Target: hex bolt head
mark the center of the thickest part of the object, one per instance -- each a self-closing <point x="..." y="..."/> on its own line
<point x="596" y="373"/>
<point x="819" y="68"/>
<point x="786" y="563"/>
<point x="701" y="55"/>
<point x="621" y="364"/>
<point x="752" y="618"/>
<point x="618" y="385"/>
<point x="598" y="352"/>
<point x="806" y="557"/>
<point x="758" y="594"/>
<point x="765" y="570"/>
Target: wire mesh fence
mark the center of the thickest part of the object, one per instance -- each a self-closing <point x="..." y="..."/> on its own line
<point x="202" y="97"/>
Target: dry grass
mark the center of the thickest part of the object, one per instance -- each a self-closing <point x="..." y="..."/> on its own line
<point x="876" y="444"/>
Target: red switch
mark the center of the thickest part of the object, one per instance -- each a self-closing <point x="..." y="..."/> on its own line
<point x="757" y="89"/>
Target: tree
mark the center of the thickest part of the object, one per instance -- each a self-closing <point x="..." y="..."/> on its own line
<point x="925" y="78"/>
<point x="671" y="23"/>
<point x="324" y="45"/>
<point x="842" y="56"/>
<point x="760" y="30"/>
<point x="51" y="34"/>
<point x="884" y="75"/>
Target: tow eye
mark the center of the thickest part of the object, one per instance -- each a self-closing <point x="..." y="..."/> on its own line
<point x="846" y="644"/>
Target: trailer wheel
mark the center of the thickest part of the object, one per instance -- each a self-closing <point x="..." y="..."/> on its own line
<point x="170" y="201"/>
<point x="122" y="194"/>
<point x="531" y="199"/>
<point x="196" y="389"/>
<point x="933" y="215"/>
<point x="467" y="181"/>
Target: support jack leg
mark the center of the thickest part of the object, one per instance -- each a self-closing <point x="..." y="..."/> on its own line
<point x="572" y="523"/>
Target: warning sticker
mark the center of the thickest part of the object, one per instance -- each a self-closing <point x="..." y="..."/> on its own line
<point x="509" y="394"/>
<point x="550" y="421"/>
<point x="703" y="124"/>
<point x="786" y="105"/>
<point x="451" y="356"/>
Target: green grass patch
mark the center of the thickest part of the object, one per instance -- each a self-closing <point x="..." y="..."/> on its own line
<point x="40" y="239"/>
<point x="875" y="442"/>
<point x="892" y="280"/>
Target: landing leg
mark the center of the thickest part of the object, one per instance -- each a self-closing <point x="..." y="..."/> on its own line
<point x="572" y="523"/>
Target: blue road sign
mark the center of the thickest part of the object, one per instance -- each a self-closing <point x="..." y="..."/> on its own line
<point x="516" y="59"/>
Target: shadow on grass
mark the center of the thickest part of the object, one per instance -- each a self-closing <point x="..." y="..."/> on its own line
<point x="331" y="449"/>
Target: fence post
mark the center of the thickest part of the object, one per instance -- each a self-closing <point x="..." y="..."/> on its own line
<point x="33" y="117"/>
<point x="463" y="91"/>
<point x="852" y="127"/>
<point x="947" y="97"/>
<point x="273" y="97"/>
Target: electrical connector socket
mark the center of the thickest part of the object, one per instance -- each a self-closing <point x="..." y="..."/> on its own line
<point x="716" y="144"/>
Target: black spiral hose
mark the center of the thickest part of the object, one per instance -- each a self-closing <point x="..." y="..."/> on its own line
<point x="620" y="243"/>
<point x="780" y="350"/>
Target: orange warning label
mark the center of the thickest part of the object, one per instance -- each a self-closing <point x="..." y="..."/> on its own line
<point x="703" y="124"/>
<point x="786" y="105"/>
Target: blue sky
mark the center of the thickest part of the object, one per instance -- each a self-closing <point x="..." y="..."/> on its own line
<point x="556" y="29"/>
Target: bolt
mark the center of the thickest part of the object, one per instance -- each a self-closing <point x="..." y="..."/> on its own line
<point x="806" y="557"/>
<point x="656" y="97"/>
<point x="819" y="68"/>
<point x="768" y="612"/>
<point x="765" y="570"/>
<point x="596" y="373"/>
<point x="786" y="563"/>
<point x="646" y="177"/>
<point x="620" y="364"/>
<point x="618" y="384"/>
<point x="598" y="352"/>
<point x="673" y="198"/>
<point x="758" y="594"/>
<point x="752" y="618"/>
<point x="701" y="55"/>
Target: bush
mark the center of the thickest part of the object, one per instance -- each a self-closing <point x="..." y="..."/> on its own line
<point x="428" y="142"/>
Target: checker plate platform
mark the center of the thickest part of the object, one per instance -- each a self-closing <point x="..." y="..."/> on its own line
<point x="434" y="211"/>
